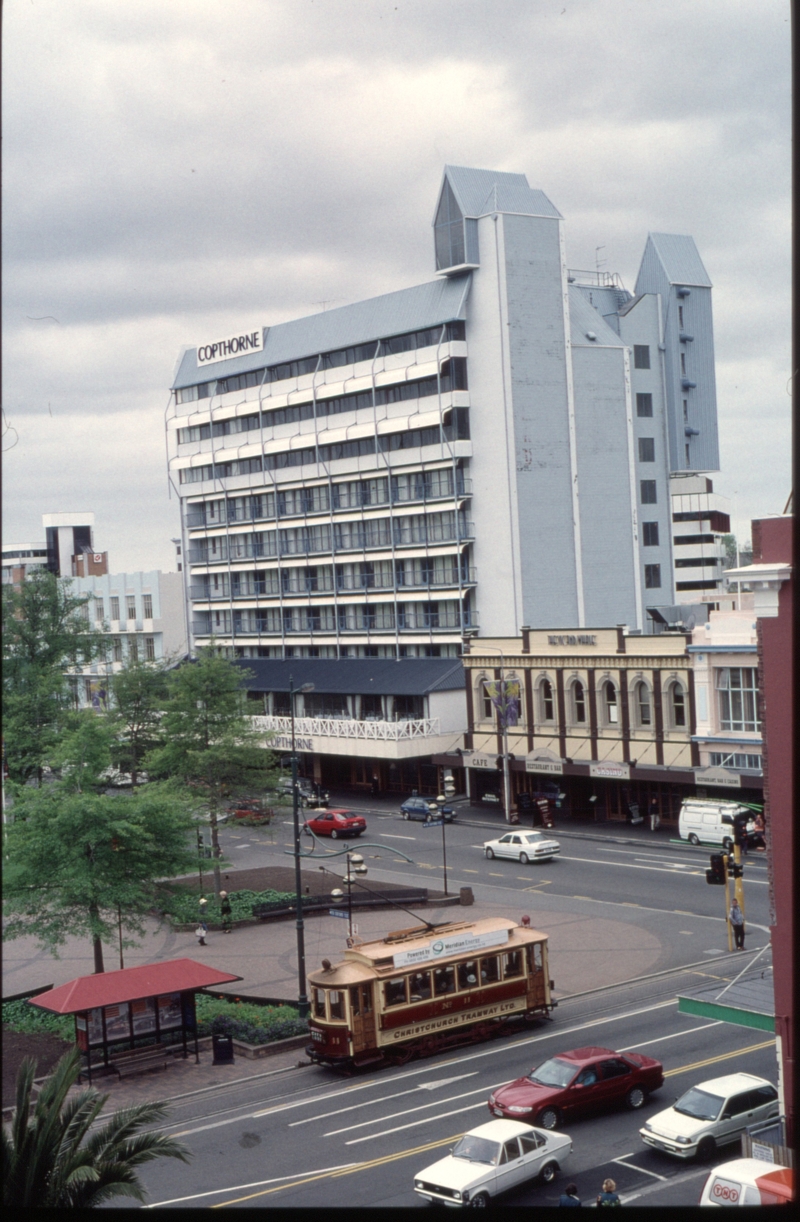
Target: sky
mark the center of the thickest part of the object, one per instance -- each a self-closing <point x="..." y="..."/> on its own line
<point x="175" y="171"/>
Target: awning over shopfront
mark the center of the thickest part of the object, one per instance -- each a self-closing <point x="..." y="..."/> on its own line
<point x="130" y="984"/>
<point x="747" y="1002"/>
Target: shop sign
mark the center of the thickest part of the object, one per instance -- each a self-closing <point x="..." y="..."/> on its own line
<point x="475" y="759"/>
<point x="718" y="776"/>
<point x="234" y="345"/>
<point x="456" y="944"/>
<point x="540" y="761"/>
<point x="613" y="772"/>
<point x="582" y="638"/>
<point x="283" y="742"/>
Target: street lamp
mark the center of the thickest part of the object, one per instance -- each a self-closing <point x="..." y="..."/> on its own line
<point x="436" y="809"/>
<point x="355" y="865"/>
<point x="302" y="999"/>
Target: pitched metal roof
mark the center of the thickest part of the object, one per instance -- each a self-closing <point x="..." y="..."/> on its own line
<point x="480" y="191"/>
<point x="356" y="676"/>
<point x="585" y="317"/>
<point x="130" y="984"/>
<point x="680" y="259"/>
<point x="413" y="309"/>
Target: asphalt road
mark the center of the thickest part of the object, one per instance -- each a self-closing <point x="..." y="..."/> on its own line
<point x="310" y="1138"/>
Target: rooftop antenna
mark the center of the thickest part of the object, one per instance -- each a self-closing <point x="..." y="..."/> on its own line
<point x="598" y="262"/>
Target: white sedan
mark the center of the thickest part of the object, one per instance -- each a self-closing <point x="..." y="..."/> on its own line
<point x="522" y="847"/>
<point x="492" y="1159"/>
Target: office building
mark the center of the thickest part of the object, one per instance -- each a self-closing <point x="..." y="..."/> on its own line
<point x="700" y="520"/>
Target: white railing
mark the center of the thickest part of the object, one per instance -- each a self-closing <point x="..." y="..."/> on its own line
<point x="336" y="727"/>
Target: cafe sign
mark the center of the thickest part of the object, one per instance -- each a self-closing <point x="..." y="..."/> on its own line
<point x="477" y="759"/>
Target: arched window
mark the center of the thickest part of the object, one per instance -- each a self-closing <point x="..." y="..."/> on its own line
<point x="546" y="704"/>
<point x="610" y="703"/>
<point x="485" y="699"/>
<point x="677" y="705"/>
<point x="643" y="711"/>
<point x="578" y="702"/>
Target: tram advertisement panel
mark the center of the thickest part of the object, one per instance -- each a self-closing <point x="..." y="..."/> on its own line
<point x="455" y="944"/>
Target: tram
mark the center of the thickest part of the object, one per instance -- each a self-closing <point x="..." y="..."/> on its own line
<point x="421" y="989"/>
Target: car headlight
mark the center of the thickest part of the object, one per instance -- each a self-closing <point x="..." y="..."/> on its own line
<point x="648" y="1126"/>
<point x="418" y="1183"/>
<point x="518" y="1111"/>
<point x="457" y="1196"/>
<point x="683" y="1141"/>
<point x="492" y="1101"/>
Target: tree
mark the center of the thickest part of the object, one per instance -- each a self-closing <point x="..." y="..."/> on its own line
<point x="54" y="1157"/>
<point x="209" y="740"/>
<point x="45" y="633"/>
<point x="139" y="694"/>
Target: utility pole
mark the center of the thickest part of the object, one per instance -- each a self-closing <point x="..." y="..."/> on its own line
<point x="302" y="997"/>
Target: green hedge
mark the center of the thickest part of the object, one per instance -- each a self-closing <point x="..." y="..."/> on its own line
<point x="247" y="1022"/>
<point x="184" y="909"/>
<point x="21" y="1016"/>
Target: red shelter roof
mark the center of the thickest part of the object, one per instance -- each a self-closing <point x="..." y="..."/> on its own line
<point x="129" y="984"/>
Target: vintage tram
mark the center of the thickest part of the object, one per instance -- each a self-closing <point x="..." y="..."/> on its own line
<point x="418" y="990"/>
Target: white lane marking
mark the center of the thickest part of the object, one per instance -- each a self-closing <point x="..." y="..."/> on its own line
<point x="390" y="836"/>
<point x="633" y="1167"/>
<point x="481" y="1090"/>
<point x="198" y="1196"/>
<point x="384" y="1098"/>
<point x="354" y="1141"/>
<point x="242" y="846"/>
<point x="660" y="1040"/>
<point x="628" y="865"/>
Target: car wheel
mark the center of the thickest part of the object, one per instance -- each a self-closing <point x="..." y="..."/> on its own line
<point x="727" y="843"/>
<point x="548" y="1173"/>
<point x="635" y="1098"/>
<point x="480" y="1200"/>
<point x="404" y="813"/>
<point x="548" y="1118"/>
<point x="693" y="839"/>
<point x="429" y="818"/>
<point x="334" y="834"/>
<point x="706" y="1150"/>
<point x="523" y="859"/>
<point x="489" y="854"/>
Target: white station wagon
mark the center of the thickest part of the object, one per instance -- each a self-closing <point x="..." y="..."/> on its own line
<point x="522" y="847"/>
<point x="492" y="1159"/>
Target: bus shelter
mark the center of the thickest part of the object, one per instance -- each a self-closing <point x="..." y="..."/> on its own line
<point x="132" y="1009"/>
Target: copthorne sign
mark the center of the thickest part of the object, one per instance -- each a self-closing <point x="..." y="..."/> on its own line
<point x="235" y="345"/>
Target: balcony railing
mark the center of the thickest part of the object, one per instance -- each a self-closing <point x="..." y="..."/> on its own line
<point x="336" y="727"/>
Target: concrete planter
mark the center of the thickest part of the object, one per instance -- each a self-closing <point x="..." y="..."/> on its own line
<point x="255" y="1052"/>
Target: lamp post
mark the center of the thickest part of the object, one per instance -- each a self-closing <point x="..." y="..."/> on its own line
<point x="355" y="865"/>
<point x="302" y="999"/>
<point x="504" y="727"/>
<point x="437" y="807"/>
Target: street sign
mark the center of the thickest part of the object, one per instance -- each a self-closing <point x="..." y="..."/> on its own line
<point x="338" y="912"/>
<point x="433" y="823"/>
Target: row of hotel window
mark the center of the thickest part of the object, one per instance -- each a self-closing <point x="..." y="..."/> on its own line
<point x="736" y="686"/>
<point x="363" y="575"/>
<point x="341" y="650"/>
<point x="114" y="607"/>
<point x="352" y="617"/>
<point x="335" y="707"/>
<point x="407" y="342"/>
<point x="321" y="498"/>
<point x="455" y="428"/>
<point x="452" y="376"/>
<point x="411" y="530"/>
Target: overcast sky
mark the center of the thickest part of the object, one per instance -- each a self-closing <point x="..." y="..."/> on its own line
<point x="176" y="170"/>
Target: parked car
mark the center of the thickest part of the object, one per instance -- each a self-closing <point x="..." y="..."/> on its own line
<point x="522" y="847"/>
<point x="711" y="1114"/>
<point x="748" y="1181"/>
<point x="249" y="809"/>
<point x="336" y="824"/>
<point x="418" y="808"/>
<point x="490" y="1160"/>
<point x="310" y="794"/>
<point x="584" y="1080"/>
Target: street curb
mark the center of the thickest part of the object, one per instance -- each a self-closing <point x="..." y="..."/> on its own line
<point x="669" y="971"/>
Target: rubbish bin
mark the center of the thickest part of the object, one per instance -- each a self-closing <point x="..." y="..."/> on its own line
<point x="223" y="1049"/>
<point x="466" y="898"/>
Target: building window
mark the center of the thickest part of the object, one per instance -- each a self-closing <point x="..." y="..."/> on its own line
<point x="641" y="356"/>
<point x="652" y="576"/>
<point x="130" y="602"/>
<point x="644" y="405"/>
<point x="87" y="690"/>
<point x="546" y="705"/>
<point x="99" y="609"/>
<point x="677" y="705"/>
<point x="147" y="606"/>
<point x="610" y="703"/>
<point x="683" y="363"/>
<point x="738" y="698"/>
<point x="647" y="449"/>
<point x="114" y="607"/>
<point x="488" y="708"/>
<point x="133" y="649"/>
<point x="647" y="489"/>
<point x="680" y="316"/>
<point x="643" y="704"/>
<point x="150" y="648"/>
<point x="578" y="702"/>
<point x="721" y="759"/>
<point x="650" y="534"/>
<point x="116" y="647"/>
<point x="686" y="411"/>
<point x="686" y="450"/>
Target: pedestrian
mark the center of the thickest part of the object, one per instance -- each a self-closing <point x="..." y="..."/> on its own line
<point x="200" y="934"/>
<point x="736" y="918"/>
<point x="375" y="787"/>
<point x="570" y="1196"/>
<point x="609" y="1194"/>
<point x="225" y="909"/>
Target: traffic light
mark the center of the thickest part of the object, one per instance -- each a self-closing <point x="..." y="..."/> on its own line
<point x="734" y="871"/>
<point x="716" y="875"/>
<point x="740" y="827"/>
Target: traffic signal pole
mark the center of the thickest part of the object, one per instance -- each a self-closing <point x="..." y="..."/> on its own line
<point x="727" y="905"/>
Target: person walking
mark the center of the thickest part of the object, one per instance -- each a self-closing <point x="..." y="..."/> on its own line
<point x="570" y="1196"/>
<point x="609" y="1194"/>
<point x="736" y="918"/>
<point x="225" y="909"/>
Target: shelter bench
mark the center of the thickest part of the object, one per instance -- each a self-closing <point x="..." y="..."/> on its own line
<point x="139" y="1060"/>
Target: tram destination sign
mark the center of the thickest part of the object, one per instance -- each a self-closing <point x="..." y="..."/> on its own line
<point x="455" y="944"/>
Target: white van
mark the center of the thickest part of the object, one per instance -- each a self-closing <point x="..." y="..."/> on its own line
<point x="748" y="1181"/>
<point x="707" y="821"/>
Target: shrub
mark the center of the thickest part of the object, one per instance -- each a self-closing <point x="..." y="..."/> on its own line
<point x="183" y="907"/>
<point x="244" y="1021"/>
<point x="20" y="1016"/>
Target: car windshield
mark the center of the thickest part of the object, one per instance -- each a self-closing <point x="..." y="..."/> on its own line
<point x="476" y="1149"/>
<point x="700" y="1104"/>
<point x="553" y="1073"/>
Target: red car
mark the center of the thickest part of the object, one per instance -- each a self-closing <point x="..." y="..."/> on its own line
<point x="579" y="1081"/>
<point x="336" y="823"/>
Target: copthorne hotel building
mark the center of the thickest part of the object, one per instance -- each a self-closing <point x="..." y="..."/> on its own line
<point x="487" y="451"/>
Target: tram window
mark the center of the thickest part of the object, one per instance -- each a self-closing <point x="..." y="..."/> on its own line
<point x="490" y="970"/>
<point x="361" y="999"/>
<point x="337" y="1004"/>
<point x="444" y="980"/>
<point x="468" y="974"/>
<point x="394" y="992"/>
<point x="512" y="964"/>
<point x="420" y="986"/>
<point x="536" y="956"/>
<point x="355" y="1003"/>
<point x="319" y="1003"/>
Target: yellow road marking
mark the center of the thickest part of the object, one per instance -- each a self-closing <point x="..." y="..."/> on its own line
<point x="723" y="1056"/>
